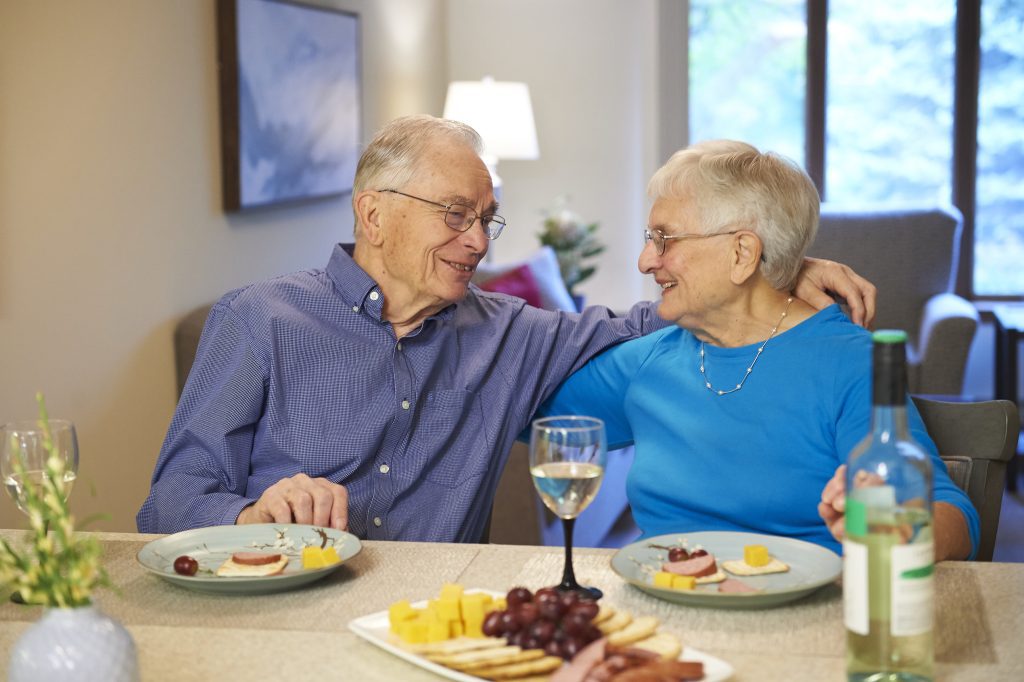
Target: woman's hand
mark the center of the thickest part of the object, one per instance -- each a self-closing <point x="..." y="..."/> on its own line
<point x="832" y="508"/>
<point x="818" y="277"/>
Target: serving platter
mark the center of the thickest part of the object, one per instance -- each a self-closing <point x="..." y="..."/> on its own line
<point x="810" y="568"/>
<point x="374" y="629"/>
<point x="212" y="546"/>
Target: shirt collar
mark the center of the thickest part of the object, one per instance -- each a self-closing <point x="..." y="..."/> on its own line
<point x="358" y="289"/>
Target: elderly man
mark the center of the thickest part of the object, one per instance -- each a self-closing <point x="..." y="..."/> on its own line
<point x="382" y="393"/>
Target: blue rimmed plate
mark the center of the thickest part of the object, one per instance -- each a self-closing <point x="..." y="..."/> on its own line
<point x="810" y="568"/>
<point x="212" y="546"/>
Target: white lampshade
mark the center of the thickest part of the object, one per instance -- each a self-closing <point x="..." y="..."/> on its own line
<point x="500" y="111"/>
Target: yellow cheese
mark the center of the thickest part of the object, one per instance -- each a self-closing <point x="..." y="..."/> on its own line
<point x="663" y="579"/>
<point x="399" y="612"/>
<point x="451" y="591"/>
<point x="437" y="631"/>
<point x="314" y="557"/>
<point x="683" y="582"/>
<point x="331" y="556"/>
<point x="474" y="627"/>
<point x="457" y="628"/>
<point x="448" y="609"/>
<point x="756" y="555"/>
<point x="413" y="631"/>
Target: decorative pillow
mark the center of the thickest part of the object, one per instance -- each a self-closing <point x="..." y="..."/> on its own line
<point x="518" y="282"/>
<point x="543" y="265"/>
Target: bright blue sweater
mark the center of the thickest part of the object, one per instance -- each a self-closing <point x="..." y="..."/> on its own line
<point x="754" y="460"/>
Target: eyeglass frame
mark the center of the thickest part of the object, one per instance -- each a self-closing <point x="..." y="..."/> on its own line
<point x="649" y="237"/>
<point x="493" y="219"/>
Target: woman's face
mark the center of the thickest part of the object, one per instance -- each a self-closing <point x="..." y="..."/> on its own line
<point x="693" y="273"/>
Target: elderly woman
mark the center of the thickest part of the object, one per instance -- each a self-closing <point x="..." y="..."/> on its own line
<point x="743" y="412"/>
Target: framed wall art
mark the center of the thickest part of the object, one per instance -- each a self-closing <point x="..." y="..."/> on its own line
<point x="290" y="98"/>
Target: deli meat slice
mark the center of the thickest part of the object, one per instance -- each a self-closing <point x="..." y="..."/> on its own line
<point x="255" y="558"/>
<point x="733" y="586"/>
<point x="697" y="567"/>
<point x="582" y="662"/>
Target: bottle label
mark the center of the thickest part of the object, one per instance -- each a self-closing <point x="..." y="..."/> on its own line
<point x="913" y="589"/>
<point x="855" y="587"/>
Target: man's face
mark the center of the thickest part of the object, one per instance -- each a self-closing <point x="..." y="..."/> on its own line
<point x="427" y="263"/>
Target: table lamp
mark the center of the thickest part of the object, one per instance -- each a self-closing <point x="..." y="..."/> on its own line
<point x="501" y="112"/>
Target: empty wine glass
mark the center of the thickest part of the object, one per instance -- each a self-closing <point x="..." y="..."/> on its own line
<point x="23" y="455"/>
<point x="567" y="459"/>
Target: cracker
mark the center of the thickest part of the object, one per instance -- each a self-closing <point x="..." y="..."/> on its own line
<point x="520" y="657"/>
<point x="641" y="628"/>
<point x="665" y="644"/>
<point x="539" y="666"/>
<point x="740" y="567"/>
<point x="715" y="577"/>
<point x="618" y="621"/>
<point x="476" y="656"/>
<point x="454" y="646"/>
<point x="604" y="612"/>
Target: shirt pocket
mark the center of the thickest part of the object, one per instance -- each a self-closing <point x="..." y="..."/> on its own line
<point x="449" y="444"/>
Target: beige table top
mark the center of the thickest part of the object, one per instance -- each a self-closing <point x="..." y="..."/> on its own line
<point x="303" y="634"/>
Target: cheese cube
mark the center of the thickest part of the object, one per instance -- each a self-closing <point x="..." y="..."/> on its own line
<point x="451" y="591"/>
<point x="474" y="627"/>
<point x="312" y="557"/>
<point x="448" y="609"/>
<point x="413" y="631"/>
<point x="474" y="606"/>
<point x="756" y="555"/>
<point x="456" y="628"/>
<point x="400" y="612"/>
<point x="683" y="582"/>
<point x="331" y="556"/>
<point x="437" y="631"/>
<point x="663" y="579"/>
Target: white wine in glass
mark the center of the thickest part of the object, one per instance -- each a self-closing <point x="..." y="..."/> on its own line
<point x="24" y="442"/>
<point x="567" y="459"/>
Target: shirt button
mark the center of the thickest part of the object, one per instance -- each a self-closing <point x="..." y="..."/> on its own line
<point x="384" y="468"/>
<point x="377" y="521"/>
<point x="405" y="404"/>
<point x="399" y="346"/>
<point x="355" y="309"/>
<point x="374" y="295"/>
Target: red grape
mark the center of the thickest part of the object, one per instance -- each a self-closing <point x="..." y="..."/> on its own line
<point x="553" y="648"/>
<point x="546" y="594"/>
<point x="575" y="623"/>
<point x="517" y="596"/>
<point x="492" y="626"/>
<point x="586" y="607"/>
<point x="551" y="609"/>
<point x="678" y="554"/>
<point x="526" y="613"/>
<point x="509" y="623"/>
<point x="571" y="647"/>
<point x="186" y="565"/>
<point x="543" y="631"/>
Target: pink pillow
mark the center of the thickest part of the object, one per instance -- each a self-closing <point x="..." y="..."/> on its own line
<point x="518" y="282"/>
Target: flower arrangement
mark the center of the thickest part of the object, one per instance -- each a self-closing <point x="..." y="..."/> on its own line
<point x="573" y="241"/>
<point x="57" y="568"/>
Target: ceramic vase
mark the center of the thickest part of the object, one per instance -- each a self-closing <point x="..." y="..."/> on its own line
<point x="74" y="645"/>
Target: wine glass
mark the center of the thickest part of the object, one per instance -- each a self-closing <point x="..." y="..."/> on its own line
<point x="567" y="459"/>
<point x="23" y="455"/>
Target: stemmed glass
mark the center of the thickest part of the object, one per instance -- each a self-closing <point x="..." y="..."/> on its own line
<point x="567" y="460"/>
<point x="24" y="443"/>
<point x="24" y="453"/>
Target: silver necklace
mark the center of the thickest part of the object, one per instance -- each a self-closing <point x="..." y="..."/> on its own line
<point x="750" y="368"/>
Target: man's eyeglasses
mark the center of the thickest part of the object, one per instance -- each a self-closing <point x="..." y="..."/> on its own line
<point x="460" y="218"/>
<point x="659" y="238"/>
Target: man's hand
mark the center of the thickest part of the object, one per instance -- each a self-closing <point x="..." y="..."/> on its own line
<point x="300" y="499"/>
<point x="818" y="277"/>
<point x="832" y="508"/>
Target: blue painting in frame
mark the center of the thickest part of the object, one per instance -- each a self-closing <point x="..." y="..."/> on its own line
<point x="290" y="101"/>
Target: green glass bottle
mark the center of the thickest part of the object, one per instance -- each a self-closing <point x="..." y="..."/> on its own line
<point x="889" y="549"/>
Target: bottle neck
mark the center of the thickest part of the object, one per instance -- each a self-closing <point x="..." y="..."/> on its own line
<point x="890" y="421"/>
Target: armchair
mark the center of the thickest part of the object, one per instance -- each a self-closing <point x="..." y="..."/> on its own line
<point x="911" y="255"/>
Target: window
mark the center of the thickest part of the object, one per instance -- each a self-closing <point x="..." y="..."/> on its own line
<point x="890" y="101"/>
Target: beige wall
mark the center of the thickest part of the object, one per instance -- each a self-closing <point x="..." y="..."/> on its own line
<point x="110" y="219"/>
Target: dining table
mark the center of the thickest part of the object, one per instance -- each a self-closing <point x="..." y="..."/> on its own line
<point x="303" y="633"/>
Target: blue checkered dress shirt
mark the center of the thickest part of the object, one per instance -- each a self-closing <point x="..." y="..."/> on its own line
<point x="303" y="374"/>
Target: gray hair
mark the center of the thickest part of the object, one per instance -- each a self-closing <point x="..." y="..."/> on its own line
<point x="395" y="152"/>
<point x="732" y="185"/>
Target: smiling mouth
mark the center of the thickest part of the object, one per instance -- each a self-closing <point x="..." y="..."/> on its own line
<point x="665" y="286"/>
<point x="461" y="267"/>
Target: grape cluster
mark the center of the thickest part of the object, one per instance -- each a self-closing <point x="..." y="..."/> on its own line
<point x="560" y="623"/>
<point x="680" y="554"/>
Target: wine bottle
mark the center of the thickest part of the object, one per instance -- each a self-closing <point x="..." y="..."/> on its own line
<point x="888" y="549"/>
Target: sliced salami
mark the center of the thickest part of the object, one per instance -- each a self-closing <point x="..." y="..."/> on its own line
<point x="696" y="567"/>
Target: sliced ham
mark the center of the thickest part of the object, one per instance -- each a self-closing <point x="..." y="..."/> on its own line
<point x="582" y="662"/>
<point x="663" y="670"/>
<point x="696" y="567"/>
<point x="733" y="586"/>
<point x="255" y="558"/>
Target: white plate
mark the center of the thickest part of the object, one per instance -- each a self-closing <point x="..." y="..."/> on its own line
<point x="212" y="546"/>
<point x="374" y="628"/>
<point x="810" y="568"/>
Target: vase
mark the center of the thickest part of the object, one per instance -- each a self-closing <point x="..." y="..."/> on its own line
<point x="74" y="645"/>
